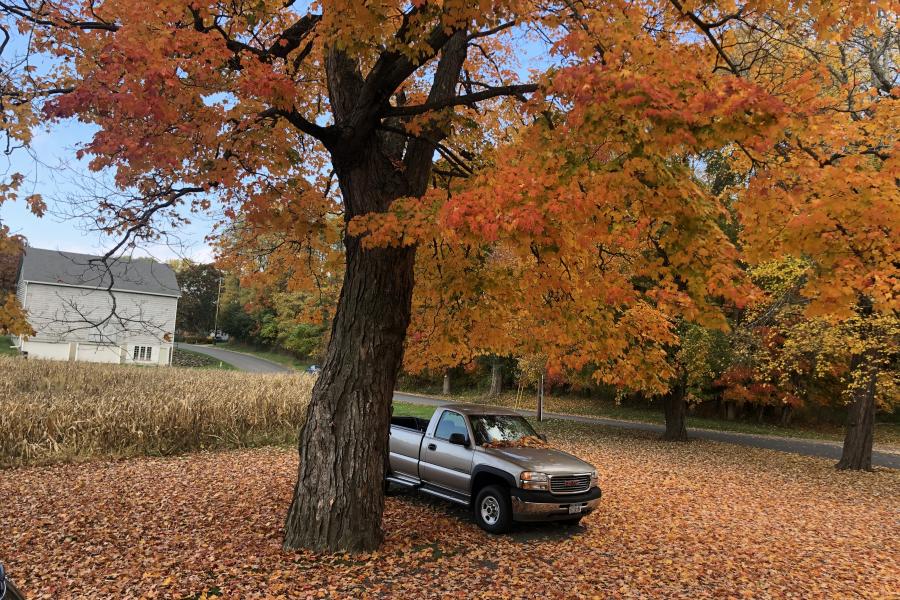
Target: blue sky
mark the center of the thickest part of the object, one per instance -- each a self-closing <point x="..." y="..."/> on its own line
<point x="55" y="175"/>
<point x="52" y="170"/>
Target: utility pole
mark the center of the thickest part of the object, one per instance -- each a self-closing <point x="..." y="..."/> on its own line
<point x="216" y="320"/>
<point x="540" y="408"/>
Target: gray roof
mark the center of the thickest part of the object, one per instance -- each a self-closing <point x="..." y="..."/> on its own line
<point x="141" y="275"/>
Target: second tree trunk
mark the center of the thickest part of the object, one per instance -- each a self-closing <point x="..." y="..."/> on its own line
<point x="859" y="437"/>
<point x="496" y="379"/>
<point x="675" y="408"/>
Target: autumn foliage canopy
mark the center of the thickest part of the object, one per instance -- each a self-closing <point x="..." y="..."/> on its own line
<point x="562" y="213"/>
<point x="543" y="160"/>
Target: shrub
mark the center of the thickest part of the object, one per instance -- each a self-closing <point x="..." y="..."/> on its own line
<point x="58" y="411"/>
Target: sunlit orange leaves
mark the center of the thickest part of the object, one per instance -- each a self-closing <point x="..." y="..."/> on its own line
<point x="13" y="319"/>
<point x="828" y="190"/>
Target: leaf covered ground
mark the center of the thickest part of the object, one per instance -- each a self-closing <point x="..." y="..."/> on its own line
<point x="698" y="520"/>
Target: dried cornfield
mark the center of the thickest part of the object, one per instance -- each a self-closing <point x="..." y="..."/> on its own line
<point x="57" y="411"/>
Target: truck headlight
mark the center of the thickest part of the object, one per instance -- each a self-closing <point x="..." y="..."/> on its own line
<point x="534" y="481"/>
<point x="595" y="481"/>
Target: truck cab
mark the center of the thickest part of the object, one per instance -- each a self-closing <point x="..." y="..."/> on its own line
<point x="491" y="460"/>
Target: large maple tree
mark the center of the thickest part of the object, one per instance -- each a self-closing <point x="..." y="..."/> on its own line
<point x="535" y="155"/>
<point x="827" y="191"/>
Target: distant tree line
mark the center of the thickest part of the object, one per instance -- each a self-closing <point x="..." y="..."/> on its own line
<point x="274" y="319"/>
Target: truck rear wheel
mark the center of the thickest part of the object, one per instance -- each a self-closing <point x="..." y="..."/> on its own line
<point x="492" y="509"/>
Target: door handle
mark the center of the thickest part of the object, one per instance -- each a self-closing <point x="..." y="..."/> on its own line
<point x="432" y="447"/>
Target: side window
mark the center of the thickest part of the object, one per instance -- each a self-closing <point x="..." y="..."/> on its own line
<point x="450" y="422"/>
<point x="143" y="353"/>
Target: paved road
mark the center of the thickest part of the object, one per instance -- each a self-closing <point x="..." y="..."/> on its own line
<point x="805" y="447"/>
<point x="241" y="361"/>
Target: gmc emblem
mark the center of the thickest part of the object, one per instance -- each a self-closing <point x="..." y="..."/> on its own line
<point x="571" y="483"/>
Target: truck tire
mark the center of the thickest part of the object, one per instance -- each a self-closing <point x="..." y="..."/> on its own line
<point x="492" y="509"/>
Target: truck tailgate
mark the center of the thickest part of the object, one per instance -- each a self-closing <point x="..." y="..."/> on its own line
<point x="404" y="451"/>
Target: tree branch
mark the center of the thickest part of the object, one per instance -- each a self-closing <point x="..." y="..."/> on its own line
<point x="292" y="37"/>
<point x="517" y="91"/>
<point x="33" y="16"/>
<point x="300" y="122"/>
<point x="707" y="28"/>
<point x="490" y="32"/>
<point x="393" y="68"/>
<point x="443" y="150"/>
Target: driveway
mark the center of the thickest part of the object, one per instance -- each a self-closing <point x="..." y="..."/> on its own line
<point x="806" y="447"/>
<point x="240" y="361"/>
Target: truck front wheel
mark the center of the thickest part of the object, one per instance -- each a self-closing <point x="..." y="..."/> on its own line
<point x="493" y="512"/>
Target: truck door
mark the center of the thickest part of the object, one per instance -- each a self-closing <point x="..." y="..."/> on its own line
<point x="444" y="464"/>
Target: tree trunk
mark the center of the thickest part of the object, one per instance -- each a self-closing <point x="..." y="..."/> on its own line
<point x="496" y="379"/>
<point x="339" y="497"/>
<point x="860" y="433"/>
<point x="338" y="500"/>
<point x="786" y="413"/>
<point x="675" y="408"/>
<point x="730" y="411"/>
<point x="446" y="389"/>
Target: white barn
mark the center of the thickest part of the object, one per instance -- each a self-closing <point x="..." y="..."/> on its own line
<point x="121" y="311"/>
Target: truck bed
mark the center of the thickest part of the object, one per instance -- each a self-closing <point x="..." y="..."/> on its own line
<point x="406" y="443"/>
<point x="414" y="423"/>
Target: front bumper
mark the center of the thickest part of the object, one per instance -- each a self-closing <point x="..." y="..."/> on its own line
<point x="528" y="505"/>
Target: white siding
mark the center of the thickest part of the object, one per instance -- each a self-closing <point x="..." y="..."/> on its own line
<point x="98" y="353"/>
<point x="46" y="350"/>
<point x="62" y="314"/>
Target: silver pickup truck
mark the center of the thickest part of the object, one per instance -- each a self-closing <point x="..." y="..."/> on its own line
<point x="471" y="455"/>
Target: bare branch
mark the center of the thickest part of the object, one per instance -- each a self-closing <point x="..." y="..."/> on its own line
<point x="35" y="16"/>
<point x="707" y="29"/>
<point x="490" y="32"/>
<point x="516" y="91"/>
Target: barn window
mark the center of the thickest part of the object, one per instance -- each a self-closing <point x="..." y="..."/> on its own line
<point x="143" y="353"/>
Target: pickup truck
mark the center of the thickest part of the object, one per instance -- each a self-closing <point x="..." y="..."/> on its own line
<point x="490" y="460"/>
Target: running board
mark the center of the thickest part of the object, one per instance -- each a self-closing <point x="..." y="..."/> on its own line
<point x="433" y="492"/>
<point x="407" y="483"/>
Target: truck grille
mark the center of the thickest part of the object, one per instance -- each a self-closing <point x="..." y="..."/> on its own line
<point x="570" y="484"/>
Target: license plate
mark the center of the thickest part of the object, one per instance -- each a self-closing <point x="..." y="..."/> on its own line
<point x="574" y="509"/>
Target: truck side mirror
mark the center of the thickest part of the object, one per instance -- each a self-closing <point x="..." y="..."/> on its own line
<point x="460" y="439"/>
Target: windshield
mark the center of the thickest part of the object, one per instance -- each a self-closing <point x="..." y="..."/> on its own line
<point x="500" y="428"/>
